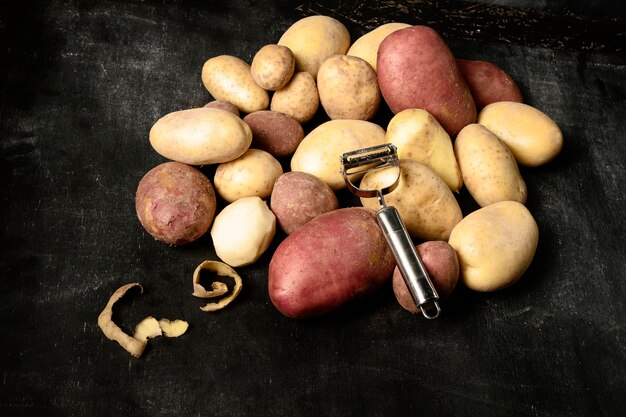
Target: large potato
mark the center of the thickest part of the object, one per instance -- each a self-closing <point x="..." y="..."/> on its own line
<point x="320" y="151"/>
<point x="425" y="203"/>
<point x="495" y="245"/>
<point x="274" y="132"/>
<point x="419" y="137"/>
<point x="488" y="83"/>
<point x="200" y="136"/>
<point x="313" y="39"/>
<point x="532" y="136"/>
<point x="335" y="258"/>
<point x="298" y="98"/>
<point x="348" y="88"/>
<point x="489" y="169"/>
<point x="273" y="66"/>
<point x="416" y="69"/>
<point x="366" y="47"/>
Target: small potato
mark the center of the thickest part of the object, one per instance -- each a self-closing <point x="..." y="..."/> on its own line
<point x="442" y="265"/>
<point x="273" y="66"/>
<point x="298" y="198"/>
<point x="275" y="132"/>
<point x="488" y="83"/>
<point x="348" y="88"/>
<point x="224" y="105"/>
<point x="200" y="136"/>
<point x="252" y="174"/>
<point x="495" y="245"/>
<point x="533" y="137"/>
<point x="175" y="203"/>
<point x="298" y="98"/>
<point x="366" y="47"/>
<point x="489" y="169"/>
<point x="425" y="203"/>
<point x="243" y="231"/>
<point x="228" y="78"/>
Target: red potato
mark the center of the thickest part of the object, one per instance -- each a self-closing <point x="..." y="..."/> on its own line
<point x="274" y="132"/>
<point x="488" y="83"/>
<point x="175" y="203"/>
<point x="442" y="265"/>
<point x="416" y="69"/>
<point x="224" y="105"/>
<point x="335" y="258"/>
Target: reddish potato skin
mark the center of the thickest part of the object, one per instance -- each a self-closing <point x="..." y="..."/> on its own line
<point x="442" y="264"/>
<point x="335" y="258"/>
<point x="224" y="105"/>
<point x="274" y="132"/>
<point x="488" y="83"/>
<point x="299" y="197"/>
<point x="416" y="69"/>
<point x="175" y="203"/>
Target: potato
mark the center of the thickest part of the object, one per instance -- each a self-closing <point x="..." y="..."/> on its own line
<point x="243" y="231"/>
<point x="298" y="198"/>
<point x="442" y="265"/>
<point x="313" y="39"/>
<point x="252" y="174"/>
<point x="275" y="132"/>
<point x="348" y="88"/>
<point x="320" y="151"/>
<point x="200" y="136"/>
<point x="298" y="99"/>
<point x="335" y="258"/>
<point x="533" y="137"/>
<point x="489" y="169"/>
<point x="228" y="78"/>
<point x="419" y="137"/>
<point x="175" y="203"/>
<point x="366" y="47"/>
<point x="425" y="203"/>
<point x="416" y="69"/>
<point x="224" y="105"/>
<point x="273" y="66"/>
<point x="495" y="245"/>
<point x="488" y="83"/>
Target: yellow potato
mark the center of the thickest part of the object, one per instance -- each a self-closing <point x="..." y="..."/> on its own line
<point x="313" y="39"/>
<point x="252" y="174"/>
<point x="532" y="136"/>
<point x="273" y="66"/>
<point x="348" y="88"/>
<point x="495" y="245"/>
<point x="200" y="136"/>
<point x="366" y="47"/>
<point x="320" y="151"/>
<point x="425" y="203"/>
<point x="298" y="98"/>
<point x="229" y="78"/>
<point x="489" y="169"/>
<point x="419" y="137"/>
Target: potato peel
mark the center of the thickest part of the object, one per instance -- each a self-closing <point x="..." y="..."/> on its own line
<point x="220" y="269"/>
<point x="147" y="328"/>
<point x="173" y="328"/>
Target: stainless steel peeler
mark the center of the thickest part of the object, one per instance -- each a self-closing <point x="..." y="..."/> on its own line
<point x="359" y="162"/>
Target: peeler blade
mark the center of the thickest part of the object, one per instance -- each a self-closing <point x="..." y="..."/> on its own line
<point x="357" y="163"/>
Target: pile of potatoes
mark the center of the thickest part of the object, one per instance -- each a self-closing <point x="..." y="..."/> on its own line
<point x="456" y="123"/>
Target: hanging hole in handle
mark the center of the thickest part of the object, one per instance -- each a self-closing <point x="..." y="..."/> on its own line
<point x="428" y="307"/>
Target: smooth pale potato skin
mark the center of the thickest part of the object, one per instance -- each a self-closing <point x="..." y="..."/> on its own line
<point x="366" y="47"/>
<point x="298" y="198"/>
<point x="348" y="88"/>
<point x="490" y="171"/>
<point x="419" y="137"/>
<point x="275" y="132"/>
<point x="313" y="39"/>
<point x="320" y="151"/>
<point x="224" y="105"/>
<point x="416" y="69"/>
<point x="495" y="245"/>
<point x="426" y="205"/>
<point x="200" y="136"/>
<point x="488" y="83"/>
<point x="228" y="78"/>
<point x="442" y="265"/>
<point x="298" y="98"/>
<point x="243" y="231"/>
<point x="273" y="66"/>
<point x="335" y="258"/>
<point x="533" y="137"/>
<point x="252" y="174"/>
<point x="175" y="203"/>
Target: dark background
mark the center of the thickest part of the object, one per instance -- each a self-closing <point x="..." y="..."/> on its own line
<point x="82" y="82"/>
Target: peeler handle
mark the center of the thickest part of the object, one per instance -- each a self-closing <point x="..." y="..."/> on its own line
<point x="410" y="265"/>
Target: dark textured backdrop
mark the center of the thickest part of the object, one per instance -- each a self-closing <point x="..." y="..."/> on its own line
<point x="81" y="84"/>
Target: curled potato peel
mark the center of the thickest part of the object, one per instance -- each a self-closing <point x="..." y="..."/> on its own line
<point x="218" y="288"/>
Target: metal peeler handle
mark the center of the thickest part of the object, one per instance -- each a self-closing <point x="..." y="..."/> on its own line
<point x="415" y="275"/>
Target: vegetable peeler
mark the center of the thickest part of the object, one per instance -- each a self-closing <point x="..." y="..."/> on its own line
<point x="357" y="163"/>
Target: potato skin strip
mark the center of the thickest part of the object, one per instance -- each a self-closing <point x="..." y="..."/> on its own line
<point x="222" y="270"/>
